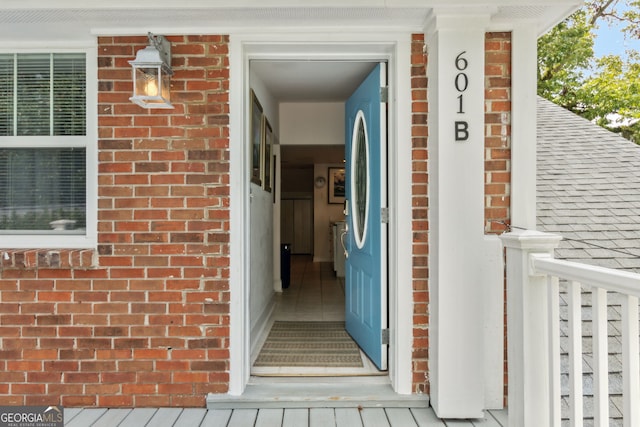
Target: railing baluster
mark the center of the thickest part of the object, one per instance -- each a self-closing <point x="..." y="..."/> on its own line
<point x="630" y="362"/>
<point x="575" y="354"/>
<point x="600" y="358"/>
<point x="555" y="398"/>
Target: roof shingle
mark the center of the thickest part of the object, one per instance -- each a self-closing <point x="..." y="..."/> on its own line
<point x="588" y="189"/>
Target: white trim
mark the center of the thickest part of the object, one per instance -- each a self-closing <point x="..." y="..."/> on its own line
<point x="456" y="214"/>
<point x="41" y="46"/>
<point x="399" y="196"/>
<point x="90" y="141"/>
<point x="157" y="4"/>
<point x="492" y="269"/>
<point x="523" y="126"/>
<point x="239" y="346"/>
<point x="394" y="48"/>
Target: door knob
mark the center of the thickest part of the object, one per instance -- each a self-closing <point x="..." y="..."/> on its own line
<point x="342" y="236"/>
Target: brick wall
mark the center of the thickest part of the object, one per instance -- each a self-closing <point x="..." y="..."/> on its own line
<point x="420" y="214"/>
<point x="498" y="131"/>
<point x="497" y="177"/>
<point x="142" y="321"/>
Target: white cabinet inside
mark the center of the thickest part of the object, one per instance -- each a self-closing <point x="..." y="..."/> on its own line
<point x="338" y="249"/>
<point x="296" y="224"/>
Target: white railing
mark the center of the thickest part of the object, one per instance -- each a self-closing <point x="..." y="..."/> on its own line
<point x="533" y="324"/>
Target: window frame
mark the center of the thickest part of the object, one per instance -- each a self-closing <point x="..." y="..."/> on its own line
<point x="36" y="239"/>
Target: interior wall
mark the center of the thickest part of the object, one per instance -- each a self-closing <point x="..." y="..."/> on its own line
<point x="297" y="182"/>
<point x="264" y="233"/>
<point x="324" y="215"/>
<point x="312" y="123"/>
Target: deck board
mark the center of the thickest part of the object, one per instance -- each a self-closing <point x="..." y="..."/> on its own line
<point x="348" y="417"/>
<point x="165" y="417"/>
<point x="70" y="413"/>
<point x="374" y="417"/>
<point x="296" y="417"/>
<point x="487" y="421"/>
<point x="426" y="418"/>
<point x="138" y="417"/>
<point x="190" y="417"/>
<point x="86" y="418"/>
<point x="243" y="418"/>
<point x="216" y="418"/>
<point x="272" y="417"/>
<point x="269" y="418"/>
<point x="400" y="417"/>
<point x="111" y="418"/>
<point x="322" y="417"/>
<point x="458" y="423"/>
<point x="501" y="417"/>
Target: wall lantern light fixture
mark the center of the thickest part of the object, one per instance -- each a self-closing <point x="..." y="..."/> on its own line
<point x="152" y="74"/>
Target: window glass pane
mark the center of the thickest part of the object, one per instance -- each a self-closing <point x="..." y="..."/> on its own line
<point x="43" y="189"/>
<point x="69" y="106"/>
<point x="6" y="95"/>
<point x="34" y="94"/>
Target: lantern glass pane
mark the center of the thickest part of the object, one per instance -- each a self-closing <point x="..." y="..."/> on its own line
<point x="147" y="82"/>
<point x="166" y="86"/>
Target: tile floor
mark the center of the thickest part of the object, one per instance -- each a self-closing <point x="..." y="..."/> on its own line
<point x="314" y="294"/>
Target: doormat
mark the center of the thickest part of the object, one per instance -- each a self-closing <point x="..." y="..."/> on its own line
<point x="309" y="344"/>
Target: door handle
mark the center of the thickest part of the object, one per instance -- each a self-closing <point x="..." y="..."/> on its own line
<point x="342" y="235"/>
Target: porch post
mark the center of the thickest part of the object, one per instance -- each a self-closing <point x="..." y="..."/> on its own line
<point x="455" y="41"/>
<point x="527" y="331"/>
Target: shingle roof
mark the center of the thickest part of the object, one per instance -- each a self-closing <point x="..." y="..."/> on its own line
<point x="588" y="189"/>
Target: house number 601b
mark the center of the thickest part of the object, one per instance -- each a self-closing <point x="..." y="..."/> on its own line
<point x="461" y="84"/>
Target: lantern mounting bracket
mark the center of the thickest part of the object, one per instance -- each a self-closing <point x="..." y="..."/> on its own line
<point x="163" y="46"/>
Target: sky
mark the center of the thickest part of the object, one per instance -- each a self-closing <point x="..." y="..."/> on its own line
<point x="611" y="40"/>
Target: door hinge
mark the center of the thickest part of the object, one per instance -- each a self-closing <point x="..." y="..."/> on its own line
<point x="384" y="215"/>
<point x="385" y="336"/>
<point x="384" y="94"/>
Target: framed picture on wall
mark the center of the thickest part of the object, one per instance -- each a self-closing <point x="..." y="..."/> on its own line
<point x="268" y="144"/>
<point x="336" y="185"/>
<point x="275" y="182"/>
<point x="256" y="139"/>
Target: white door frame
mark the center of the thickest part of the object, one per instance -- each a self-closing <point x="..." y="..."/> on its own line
<point x="395" y="48"/>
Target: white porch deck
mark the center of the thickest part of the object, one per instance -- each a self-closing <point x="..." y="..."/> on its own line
<point x="271" y="417"/>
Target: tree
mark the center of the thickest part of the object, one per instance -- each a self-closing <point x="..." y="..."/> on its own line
<point x="604" y="90"/>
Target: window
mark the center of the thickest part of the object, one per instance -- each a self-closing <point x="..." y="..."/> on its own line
<point x="44" y="148"/>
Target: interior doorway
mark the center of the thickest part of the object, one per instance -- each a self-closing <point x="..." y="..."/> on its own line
<point x="311" y="130"/>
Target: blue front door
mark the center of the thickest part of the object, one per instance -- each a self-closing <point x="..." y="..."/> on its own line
<point x="366" y="197"/>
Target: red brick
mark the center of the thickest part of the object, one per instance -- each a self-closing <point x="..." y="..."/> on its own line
<point x="153" y="400"/>
<point x="79" y="400"/>
<point x="115" y="401"/>
<point x="81" y="377"/>
<point x="17" y="367"/>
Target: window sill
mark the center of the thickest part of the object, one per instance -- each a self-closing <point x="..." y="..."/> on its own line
<point x="48" y="258"/>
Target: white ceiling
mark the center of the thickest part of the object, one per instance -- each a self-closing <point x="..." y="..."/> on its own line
<point x="309" y="81"/>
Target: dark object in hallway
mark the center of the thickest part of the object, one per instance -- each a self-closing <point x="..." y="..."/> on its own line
<point x="285" y="264"/>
